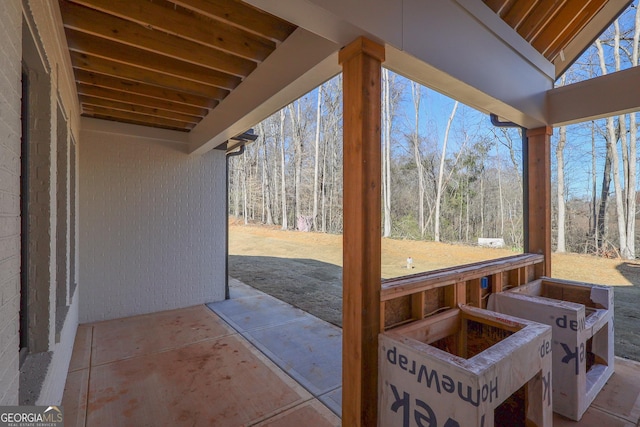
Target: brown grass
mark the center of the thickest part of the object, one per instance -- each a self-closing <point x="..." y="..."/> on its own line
<point x="259" y="240"/>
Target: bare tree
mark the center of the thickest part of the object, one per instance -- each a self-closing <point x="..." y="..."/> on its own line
<point x="415" y="92"/>
<point x="612" y="138"/>
<point x="296" y="126"/>
<point x="386" y="152"/>
<point x="283" y="186"/>
<point x="266" y="181"/>
<point x="562" y="140"/>
<point x="633" y="154"/>
<point x="441" y="172"/>
<point x="317" y="160"/>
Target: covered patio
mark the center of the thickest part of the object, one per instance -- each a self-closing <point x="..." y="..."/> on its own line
<point x="117" y="119"/>
<point x="158" y="369"/>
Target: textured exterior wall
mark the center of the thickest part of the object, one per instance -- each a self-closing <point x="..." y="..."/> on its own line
<point x="62" y="212"/>
<point x="152" y="222"/>
<point x="42" y="48"/>
<point x="10" y="131"/>
<point x="42" y="216"/>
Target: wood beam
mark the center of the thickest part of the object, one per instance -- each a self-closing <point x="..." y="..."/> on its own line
<point x="101" y="24"/>
<point x="132" y="108"/>
<point x="132" y="98"/>
<point x="539" y="195"/>
<point x="361" y="64"/>
<point x="214" y="34"/>
<point x="116" y="69"/>
<point x="565" y="25"/>
<point x="96" y="111"/>
<point x="242" y="15"/>
<point x="139" y="88"/>
<point x="536" y="20"/>
<point x="118" y="52"/>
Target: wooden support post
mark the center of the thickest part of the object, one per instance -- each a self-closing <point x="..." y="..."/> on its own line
<point x="361" y="66"/>
<point x="455" y="294"/>
<point x="417" y="305"/>
<point x="539" y="195"/>
<point x="496" y="283"/>
<point x="475" y="293"/>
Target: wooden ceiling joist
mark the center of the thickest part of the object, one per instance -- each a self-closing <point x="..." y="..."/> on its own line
<point x="143" y="101"/>
<point x="241" y="16"/>
<point x="537" y="19"/>
<point x="515" y="13"/>
<point x="117" y="52"/>
<point x="111" y="114"/>
<point x="200" y="29"/>
<point x="116" y="69"/>
<point x="131" y="87"/>
<point x="100" y="24"/>
<point x="86" y="100"/>
<point x="563" y="20"/>
<point x="571" y="20"/>
<point x="164" y="63"/>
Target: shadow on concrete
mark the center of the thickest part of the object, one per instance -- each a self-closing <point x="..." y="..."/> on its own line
<point x="627" y="312"/>
<point x="310" y="285"/>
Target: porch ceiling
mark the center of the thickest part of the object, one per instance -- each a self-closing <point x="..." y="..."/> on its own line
<point x="164" y="63"/>
<point x="169" y="63"/>
<point x="560" y="30"/>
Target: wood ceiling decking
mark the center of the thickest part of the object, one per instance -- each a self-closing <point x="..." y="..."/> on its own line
<point x="164" y="63"/>
<point x="549" y="26"/>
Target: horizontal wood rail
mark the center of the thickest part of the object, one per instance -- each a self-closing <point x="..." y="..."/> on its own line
<point x="413" y="297"/>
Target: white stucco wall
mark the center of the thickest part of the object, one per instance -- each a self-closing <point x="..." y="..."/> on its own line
<point x="152" y="221"/>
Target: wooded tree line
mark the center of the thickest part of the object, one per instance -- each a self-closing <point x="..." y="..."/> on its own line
<point x="603" y="220"/>
<point x="447" y="173"/>
<point x="456" y="185"/>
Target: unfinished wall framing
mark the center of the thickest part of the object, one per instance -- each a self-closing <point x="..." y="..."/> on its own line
<point x="583" y="344"/>
<point x="466" y="366"/>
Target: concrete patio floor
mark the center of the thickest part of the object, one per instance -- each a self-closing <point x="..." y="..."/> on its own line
<point x="248" y="361"/>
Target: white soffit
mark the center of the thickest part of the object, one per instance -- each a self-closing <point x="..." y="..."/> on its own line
<point x="457" y="47"/>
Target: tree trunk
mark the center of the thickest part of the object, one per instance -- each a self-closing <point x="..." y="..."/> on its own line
<point x="467" y="219"/>
<point x="615" y="164"/>
<point x="266" y="176"/>
<point x="283" y="186"/>
<point x="633" y="154"/>
<point x="297" y="146"/>
<point x="386" y="157"/>
<point x="604" y="201"/>
<point x="482" y="205"/>
<point x="415" y="91"/>
<point x="562" y="140"/>
<point x="316" y="161"/>
<point x="441" y="172"/>
<point x="594" y="197"/>
<point x="236" y="185"/>
<point x="323" y="186"/>
<point x="500" y="194"/>
<point x="244" y="188"/>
